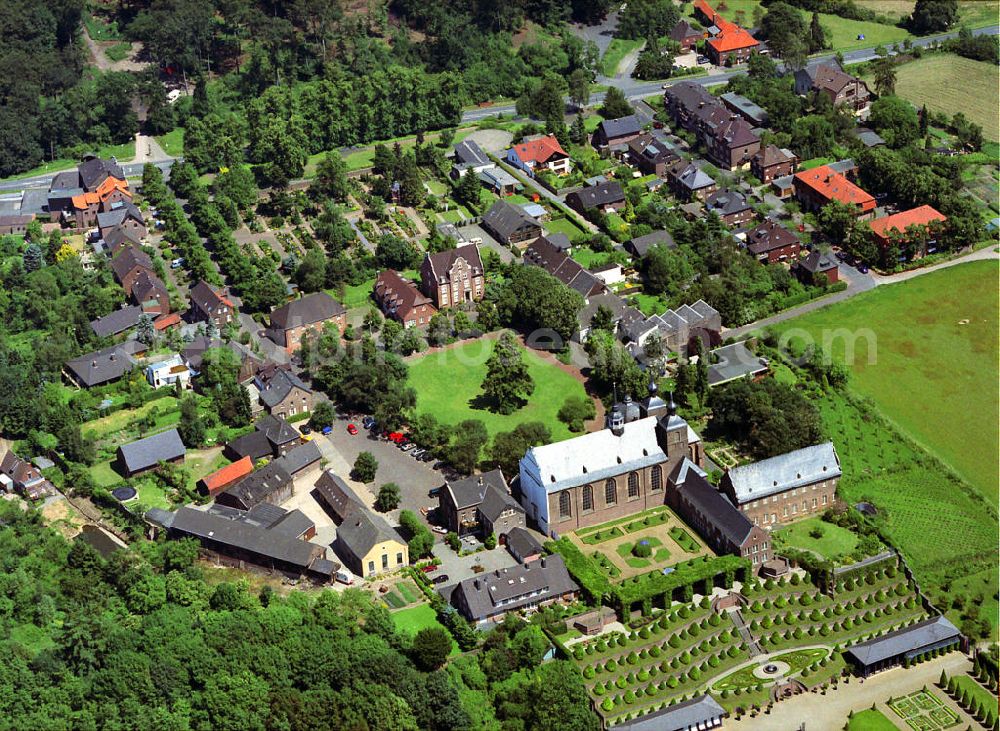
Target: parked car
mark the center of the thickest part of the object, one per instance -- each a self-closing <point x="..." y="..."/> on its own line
<point x="434" y="491"/>
<point x="426" y="456"/>
<point x="305" y="430"/>
<point x="345" y="578"/>
<point x="863" y="268"/>
<point x="177" y="263"/>
<point x="368" y="423"/>
<point x="407" y="447"/>
<point x="352" y="430"/>
<point x="702" y="59"/>
<point x="327" y="430"/>
<point x="439" y="466"/>
<point x="429" y="568"/>
<point x="417" y="453"/>
<point x="440" y="579"/>
<point x="439" y="529"/>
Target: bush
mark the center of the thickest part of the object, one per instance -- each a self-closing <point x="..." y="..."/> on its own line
<point x="642" y="549"/>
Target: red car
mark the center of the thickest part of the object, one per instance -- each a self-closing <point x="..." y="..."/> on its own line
<point x="351" y="429"/>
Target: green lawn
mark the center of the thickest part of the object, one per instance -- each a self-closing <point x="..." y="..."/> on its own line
<point x="173" y="141"/>
<point x="412" y="620"/>
<point x="104" y="475"/>
<point x="564" y="226"/>
<point x="815" y="163"/>
<point x="650" y="304"/>
<point x="978" y="693"/>
<point x="119" y="51"/>
<point x="971" y="13"/>
<point x="447" y="382"/>
<point x="940" y="81"/>
<point x="926" y="353"/>
<point x="870" y="720"/>
<point x="835" y="541"/>
<point x="34" y="639"/>
<point x="588" y="257"/>
<point x="167" y="412"/>
<point x="124" y="153"/>
<point x="355" y="295"/>
<point x="618" y="50"/>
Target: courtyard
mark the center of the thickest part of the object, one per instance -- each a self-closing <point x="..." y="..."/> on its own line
<point x="616" y="545"/>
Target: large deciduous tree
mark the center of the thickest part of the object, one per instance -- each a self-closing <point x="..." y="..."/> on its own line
<point x="507" y="383"/>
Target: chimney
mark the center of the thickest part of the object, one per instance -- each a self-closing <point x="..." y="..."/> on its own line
<point x="93" y="364"/>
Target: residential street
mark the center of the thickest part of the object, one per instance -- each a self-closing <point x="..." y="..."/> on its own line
<point x="858" y="283"/>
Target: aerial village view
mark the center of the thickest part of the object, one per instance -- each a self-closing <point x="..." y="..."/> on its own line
<point x="465" y="365"/>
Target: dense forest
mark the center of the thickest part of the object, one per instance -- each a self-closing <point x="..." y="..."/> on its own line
<point x="141" y="640"/>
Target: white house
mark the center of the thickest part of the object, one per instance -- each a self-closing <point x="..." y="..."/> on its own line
<point x="169" y="372"/>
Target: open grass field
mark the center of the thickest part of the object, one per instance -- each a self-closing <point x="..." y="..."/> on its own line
<point x="971" y="13"/>
<point x="926" y="354"/>
<point x="942" y="81"/>
<point x="978" y="693"/>
<point x="173" y="141"/>
<point x="870" y="721"/>
<point x="564" y="226"/>
<point x="116" y="427"/>
<point x="834" y="541"/>
<point x="448" y="382"/>
<point x="412" y="620"/>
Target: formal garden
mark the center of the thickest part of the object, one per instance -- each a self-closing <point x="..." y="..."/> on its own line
<point x="923" y="711"/>
<point x="630" y="546"/>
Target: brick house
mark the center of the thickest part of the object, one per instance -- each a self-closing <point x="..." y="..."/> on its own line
<point x="125" y="216"/>
<point x="614" y="134"/>
<point x="210" y="304"/>
<point x="816" y="264"/>
<point x="920" y="225"/>
<point x="686" y="36"/>
<point x="15" y="224"/>
<point x="453" y="276"/>
<point x="509" y="224"/>
<point x="771" y="162"/>
<point x="689" y="182"/>
<point x="283" y="393"/>
<point x="650" y="155"/>
<point x="490" y="596"/>
<point x="270" y="484"/>
<point x="816" y="187"/>
<point x="785" y="488"/>
<point x="291" y="321"/>
<point x="84" y="207"/>
<point x="840" y="88"/>
<point x="128" y="263"/>
<point x="400" y="299"/>
<point x="730" y="206"/>
<point x="19" y="475"/>
<point x="150" y="293"/>
<point x="481" y="504"/>
<point x="732" y="144"/>
<point x="542" y="152"/>
<point x="732" y="44"/>
<point x="772" y="243"/>
<point x="607" y="196"/>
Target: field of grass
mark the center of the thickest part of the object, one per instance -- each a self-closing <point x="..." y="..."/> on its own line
<point x="107" y="427"/>
<point x="173" y="141"/>
<point x="978" y="693"/>
<point x="412" y="620"/>
<point x="564" y="226"/>
<point x="870" y="721"/>
<point x="941" y="81"/>
<point x="119" y="51"/>
<point x="124" y="153"/>
<point x="618" y="50"/>
<point x="588" y="257"/>
<point x="835" y="540"/>
<point x="448" y="383"/>
<point x="926" y="354"/>
<point x="971" y="13"/>
<point x="650" y="304"/>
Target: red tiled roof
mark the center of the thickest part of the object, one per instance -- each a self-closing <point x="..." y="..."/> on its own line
<point x="165" y="321"/>
<point x="540" y="150"/>
<point x="228" y="474"/>
<point x="921" y="216"/>
<point x="704" y="8"/>
<point x="732" y="38"/>
<point x="834" y="186"/>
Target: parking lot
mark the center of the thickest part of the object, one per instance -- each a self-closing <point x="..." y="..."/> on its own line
<point x="458" y="568"/>
<point x="415" y="478"/>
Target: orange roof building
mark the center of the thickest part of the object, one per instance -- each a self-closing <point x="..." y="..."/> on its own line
<point x="883" y="227"/>
<point x="223" y="478"/>
<point x="732" y="44"/>
<point x="541" y="152"/>
<point x="816" y="187"/>
<point x="103" y="193"/>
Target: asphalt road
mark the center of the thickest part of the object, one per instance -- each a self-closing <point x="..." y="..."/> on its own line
<point x="632" y="88"/>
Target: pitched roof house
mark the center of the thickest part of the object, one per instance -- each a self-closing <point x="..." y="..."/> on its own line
<point x="149" y="292"/>
<point x="772" y="162"/>
<point x="270" y="484"/>
<point x="470" y="156"/>
<point x="117" y="322"/>
<point x="607" y="196"/>
<point x="128" y="263"/>
<point x="687" y="181"/>
<point x="839" y="87"/>
<point x="225" y="476"/>
<point x="509" y="224"/>
<point x="731" y="362"/>
<point x="453" y="276"/>
<point x="368" y="545"/>
<point x="102" y="366"/>
<point x="145" y="454"/>
<point x="771" y="242"/>
<point x="292" y="320"/>
<point x="816" y="187"/>
<point x="732" y="143"/>
<point x="906" y="643"/>
<point x="400" y="299"/>
<point x="675" y="328"/>
<point x="543" y="254"/>
<point x="19" y="475"/>
<point x="337" y="495"/>
<point x="884" y="228"/>
<point x="640" y="245"/>
<point x="752" y="113"/>
<point x="702" y="712"/>
<point x="539" y="153"/>
<point x="283" y="393"/>
<point x="489" y="596"/>
<point x="818" y="262"/>
<point x="684" y="34"/>
<point x="613" y="134"/>
<point x="211" y="304"/>
<point x="650" y="155"/>
<point x="731" y="206"/>
<point x="480" y="504"/>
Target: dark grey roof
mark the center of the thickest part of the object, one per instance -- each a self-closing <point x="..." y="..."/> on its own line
<point x="294" y="523"/>
<point x="468" y="152"/>
<point x="308" y="310"/>
<point x="128" y="258"/>
<point x="726" y="202"/>
<point x="301" y="457"/>
<point x="621" y="127"/>
<point x="278" y="386"/>
<point x="258" y="486"/>
<point x="255" y="445"/>
<point x="361" y="530"/>
<point x="613" y="302"/>
<point x="93" y="171"/>
<point x="278" y="431"/>
<point x="784" y="472"/>
<point x="66" y="180"/>
<point x="146" y="453"/>
<point x="568" y="271"/>
<point x="733" y="361"/>
<point x="116" y="322"/>
<point x="337" y="494"/>
<point x="690" y="175"/>
<point x="690" y="480"/>
<point x="206" y="296"/>
<point x="120" y="235"/>
<point x="902" y="641"/>
<point x="442" y="261"/>
<point x="818" y="261"/>
<point x="597" y="196"/>
<point x="245" y="536"/>
<point x="101" y="366"/>
<point x="262" y="515"/>
<point x="513" y="588"/>
<point x="506" y="219"/>
<point x="147" y="286"/>
<point x="470" y="491"/>
<point x="844" y="167"/>
<point x="768" y="236"/>
<point x="522" y="544"/>
<point x="559" y="241"/>
<point x="868" y="137"/>
<point x="744" y="106"/>
<point x="496" y="501"/>
<point x="641" y="245"/>
<point x="683" y="30"/>
<point x="695" y="713"/>
<point x="106" y="219"/>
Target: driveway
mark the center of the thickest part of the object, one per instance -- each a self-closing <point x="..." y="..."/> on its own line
<point x="458" y="568"/>
<point x="415" y="478"/>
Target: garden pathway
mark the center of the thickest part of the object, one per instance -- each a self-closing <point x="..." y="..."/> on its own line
<point x="751" y="641"/>
<point x="829" y="712"/>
